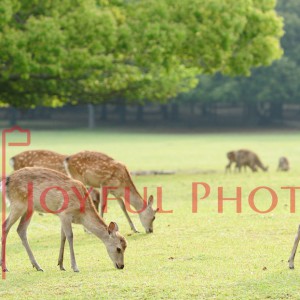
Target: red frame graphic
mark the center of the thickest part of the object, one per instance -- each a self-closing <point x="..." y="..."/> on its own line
<point x="5" y="132"/>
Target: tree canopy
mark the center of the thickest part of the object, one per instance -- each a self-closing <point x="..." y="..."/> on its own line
<point x="274" y="85"/>
<point x="93" y="51"/>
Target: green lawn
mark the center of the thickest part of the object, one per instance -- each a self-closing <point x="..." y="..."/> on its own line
<point x="200" y="256"/>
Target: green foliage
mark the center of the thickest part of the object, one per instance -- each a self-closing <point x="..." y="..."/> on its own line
<point x="275" y="84"/>
<point x="98" y="50"/>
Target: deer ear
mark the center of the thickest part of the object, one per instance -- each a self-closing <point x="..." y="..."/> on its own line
<point x="150" y="201"/>
<point x="112" y="227"/>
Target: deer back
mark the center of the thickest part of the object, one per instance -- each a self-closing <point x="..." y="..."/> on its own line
<point x="39" y="158"/>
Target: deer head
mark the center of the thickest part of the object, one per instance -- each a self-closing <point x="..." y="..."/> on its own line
<point x="147" y="216"/>
<point x="116" y="245"/>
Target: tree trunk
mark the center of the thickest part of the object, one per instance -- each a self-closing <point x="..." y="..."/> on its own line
<point x="91" y="112"/>
<point x="13" y="116"/>
<point x="164" y="112"/>
<point x="104" y="113"/>
<point x="175" y="112"/>
<point x="122" y="113"/>
<point x="140" y="114"/>
<point x="204" y="110"/>
<point x="251" y="113"/>
<point x="276" y="110"/>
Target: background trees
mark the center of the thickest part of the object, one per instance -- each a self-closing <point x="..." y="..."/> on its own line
<point x="267" y="89"/>
<point x="88" y="51"/>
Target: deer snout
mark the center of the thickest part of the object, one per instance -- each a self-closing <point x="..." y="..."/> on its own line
<point x="120" y="267"/>
<point x="149" y="230"/>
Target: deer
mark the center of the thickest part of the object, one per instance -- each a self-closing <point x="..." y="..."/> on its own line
<point x="232" y="159"/>
<point x="100" y="170"/>
<point x="46" y="159"/>
<point x="283" y="164"/>
<point x="22" y="206"/>
<point x="245" y="158"/>
<point x="294" y="250"/>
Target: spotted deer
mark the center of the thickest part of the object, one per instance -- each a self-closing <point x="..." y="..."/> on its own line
<point x="245" y="158"/>
<point x="22" y="205"/>
<point x="99" y="170"/>
<point x="46" y="159"/>
<point x="283" y="164"/>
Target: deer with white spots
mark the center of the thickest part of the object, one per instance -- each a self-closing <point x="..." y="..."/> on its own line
<point x="46" y="159"/>
<point x="99" y="170"/>
<point x="78" y="209"/>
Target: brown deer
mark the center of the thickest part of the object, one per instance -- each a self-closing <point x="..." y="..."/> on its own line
<point x="22" y="206"/>
<point x="232" y="159"/>
<point x="46" y="159"/>
<point x="245" y="158"/>
<point x="283" y="164"/>
<point x="99" y="170"/>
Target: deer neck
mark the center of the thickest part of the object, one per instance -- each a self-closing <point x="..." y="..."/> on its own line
<point x="94" y="223"/>
<point x="136" y="200"/>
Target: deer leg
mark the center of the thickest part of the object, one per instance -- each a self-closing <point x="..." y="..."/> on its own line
<point x="8" y="223"/>
<point x="291" y="259"/>
<point x="121" y="202"/>
<point x="67" y="228"/>
<point x="96" y="203"/>
<point x="228" y="167"/>
<point x="22" y="232"/>
<point x="61" y="251"/>
<point x="102" y="206"/>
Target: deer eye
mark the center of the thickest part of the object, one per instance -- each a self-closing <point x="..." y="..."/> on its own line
<point x="153" y="219"/>
<point x="119" y="250"/>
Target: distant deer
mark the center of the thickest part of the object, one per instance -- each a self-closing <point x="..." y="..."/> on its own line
<point x="232" y="159"/>
<point x="46" y="159"/>
<point x="99" y="170"/>
<point x="250" y="159"/>
<point x="42" y="179"/>
<point x="245" y="158"/>
<point x="283" y="164"/>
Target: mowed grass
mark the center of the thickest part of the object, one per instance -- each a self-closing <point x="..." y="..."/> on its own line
<point x="206" y="255"/>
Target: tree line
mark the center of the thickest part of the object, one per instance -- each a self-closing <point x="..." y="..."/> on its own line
<point x="268" y="88"/>
<point x="106" y="51"/>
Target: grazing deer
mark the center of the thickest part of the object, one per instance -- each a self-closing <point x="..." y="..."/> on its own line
<point x="245" y="158"/>
<point x="250" y="159"/>
<point x="46" y="159"/>
<point x="22" y="206"/>
<point x="283" y="164"/>
<point x="99" y="170"/>
<point x="232" y="159"/>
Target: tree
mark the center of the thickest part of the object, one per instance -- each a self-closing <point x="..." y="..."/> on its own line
<point x="269" y="87"/>
<point x="91" y="51"/>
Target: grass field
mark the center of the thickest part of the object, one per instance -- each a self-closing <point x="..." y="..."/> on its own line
<point x="189" y="256"/>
